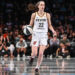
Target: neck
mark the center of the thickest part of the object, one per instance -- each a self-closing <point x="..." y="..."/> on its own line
<point x="41" y="12"/>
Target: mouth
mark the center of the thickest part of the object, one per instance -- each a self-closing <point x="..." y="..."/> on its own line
<point x="42" y="8"/>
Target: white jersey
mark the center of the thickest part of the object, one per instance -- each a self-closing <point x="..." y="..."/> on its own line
<point x="40" y="23"/>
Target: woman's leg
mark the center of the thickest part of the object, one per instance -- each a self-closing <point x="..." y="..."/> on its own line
<point x="34" y="51"/>
<point x="33" y="54"/>
<point x="40" y="57"/>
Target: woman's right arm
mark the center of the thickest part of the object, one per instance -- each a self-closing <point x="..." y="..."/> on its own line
<point x="32" y="19"/>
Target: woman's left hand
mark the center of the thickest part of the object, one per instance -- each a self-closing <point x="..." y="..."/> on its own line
<point x="54" y="33"/>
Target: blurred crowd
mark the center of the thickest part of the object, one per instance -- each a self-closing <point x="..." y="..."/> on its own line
<point x="14" y="14"/>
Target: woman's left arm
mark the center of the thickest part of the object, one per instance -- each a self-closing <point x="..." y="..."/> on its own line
<point x="50" y="25"/>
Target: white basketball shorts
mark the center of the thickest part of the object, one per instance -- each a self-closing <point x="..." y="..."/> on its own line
<point x="39" y="38"/>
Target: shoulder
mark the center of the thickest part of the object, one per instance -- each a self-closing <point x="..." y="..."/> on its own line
<point x="33" y="14"/>
<point x="48" y="14"/>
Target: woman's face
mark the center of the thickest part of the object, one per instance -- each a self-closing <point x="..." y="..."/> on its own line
<point x="41" y="6"/>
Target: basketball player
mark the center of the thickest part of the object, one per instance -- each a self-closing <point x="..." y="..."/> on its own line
<point x="41" y="21"/>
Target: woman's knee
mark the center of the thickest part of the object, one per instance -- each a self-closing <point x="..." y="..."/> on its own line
<point x="36" y="53"/>
<point x="34" y="50"/>
<point x="41" y="54"/>
<point x="41" y="51"/>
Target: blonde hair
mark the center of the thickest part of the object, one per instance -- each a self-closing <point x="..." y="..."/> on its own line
<point x="37" y="4"/>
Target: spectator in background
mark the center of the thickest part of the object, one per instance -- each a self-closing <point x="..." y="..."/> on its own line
<point x="10" y="28"/>
<point x="54" y="44"/>
<point x="5" y="35"/>
<point x="62" y="51"/>
<point x="1" y="37"/>
<point x="62" y="32"/>
<point x="58" y="33"/>
<point x="65" y="41"/>
<point x="64" y="48"/>
<point x="21" y="46"/>
<point x="72" y="49"/>
<point x="0" y="48"/>
<point x="1" y="32"/>
<point x="11" y="47"/>
<point x="70" y="35"/>
<point x="16" y="36"/>
<point x="10" y="43"/>
<point x="4" y="49"/>
<point x="11" y="37"/>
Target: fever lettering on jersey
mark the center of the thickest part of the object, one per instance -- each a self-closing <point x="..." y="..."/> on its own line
<point x="40" y="24"/>
<point x="41" y="20"/>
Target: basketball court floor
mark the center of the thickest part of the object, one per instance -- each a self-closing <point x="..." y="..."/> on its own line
<point x="55" y="66"/>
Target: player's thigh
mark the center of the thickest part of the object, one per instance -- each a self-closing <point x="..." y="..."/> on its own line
<point x="35" y="40"/>
<point x="44" y="41"/>
<point x="34" y="49"/>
